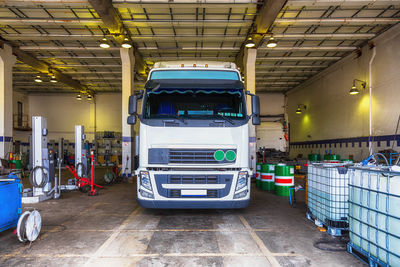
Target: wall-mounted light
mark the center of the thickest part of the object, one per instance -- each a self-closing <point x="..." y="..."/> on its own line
<point x="249" y="43"/>
<point x="300" y="107"/>
<point x="104" y="43"/>
<point x="272" y="42"/>
<point x="354" y="90"/>
<point x="38" y="79"/>
<point x="89" y="97"/>
<point x="126" y="43"/>
<point x="78" y="97"/>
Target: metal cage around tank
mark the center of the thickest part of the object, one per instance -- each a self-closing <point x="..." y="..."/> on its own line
<point x="374" y="215"/>
<point x="328" y="195"/>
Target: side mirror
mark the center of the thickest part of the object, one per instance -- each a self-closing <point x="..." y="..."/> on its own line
<point x="132" y="119"/>
<point x="255" y="109"/>
<point x="133" y="105"/>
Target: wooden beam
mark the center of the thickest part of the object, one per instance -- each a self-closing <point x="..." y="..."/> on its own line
<point x="264" y="20"/>
<point x="112" y="21"/>
<point x="44" y="67"/>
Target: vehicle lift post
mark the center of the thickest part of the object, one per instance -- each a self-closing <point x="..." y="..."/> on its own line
<point x="43" y="169"/>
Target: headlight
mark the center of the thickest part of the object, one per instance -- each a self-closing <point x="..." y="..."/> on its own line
<point x="145" y="180"/>
<point x="241" y="181"/>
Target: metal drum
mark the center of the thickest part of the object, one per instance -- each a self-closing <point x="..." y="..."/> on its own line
<point x="314" y="157"/>
<point x="267" y="177"/>
<point x="284" y="179"/>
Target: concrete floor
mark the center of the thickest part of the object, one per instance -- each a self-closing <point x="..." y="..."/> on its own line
<point x="112" y="230"/>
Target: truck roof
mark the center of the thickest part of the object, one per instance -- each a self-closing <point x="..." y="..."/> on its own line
<point x="195" y="63"/>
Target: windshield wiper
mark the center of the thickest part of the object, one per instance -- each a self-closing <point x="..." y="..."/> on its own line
<point x="225" y="118"/>
<point x="178" y="118"/>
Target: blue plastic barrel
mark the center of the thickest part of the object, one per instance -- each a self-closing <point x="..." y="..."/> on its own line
<point x="10" y="202"/>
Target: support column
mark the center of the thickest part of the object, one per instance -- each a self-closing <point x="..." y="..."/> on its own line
<point x="128" y="63"/>
<point x="7" y="61"/>
<point x="249" y="63"/>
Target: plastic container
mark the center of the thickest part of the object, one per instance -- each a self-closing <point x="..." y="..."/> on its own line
<point x="374" y="213"/>
<point x="10" y="202"/>
<point x="268" y="177"/>
<point x="284" y="179"/>
<point x="328" y="193"/>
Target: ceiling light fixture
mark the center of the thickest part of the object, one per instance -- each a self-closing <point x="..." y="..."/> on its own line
<point x="354" y="90"/>
<point x="126" y="43"/>
<point x="53" y="79"/>
<point x="271" y="42"/>
<point x="38" y="79"/>
<point x="104" y="43"/>
<point x="78" y="97"/>
<point x="249" y="43"/>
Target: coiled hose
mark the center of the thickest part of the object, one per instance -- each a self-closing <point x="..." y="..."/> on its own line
<point x="32" y="177"/>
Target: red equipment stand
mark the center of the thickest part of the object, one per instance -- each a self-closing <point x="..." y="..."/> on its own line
<point x="93" y="191"/>
<point x="86" y="185"/>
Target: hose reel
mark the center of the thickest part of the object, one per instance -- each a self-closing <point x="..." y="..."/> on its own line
<point x="44" y="180"/>
<point x="29" y="226"/>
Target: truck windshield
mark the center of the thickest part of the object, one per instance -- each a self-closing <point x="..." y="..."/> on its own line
<point x="195" y="104"/>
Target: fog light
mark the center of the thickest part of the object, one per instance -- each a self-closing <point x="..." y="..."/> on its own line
<point x="241" y="194"/>
<point x="146" y="194"/>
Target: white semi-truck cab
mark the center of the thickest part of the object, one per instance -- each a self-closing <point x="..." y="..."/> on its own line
<point x="194" y="136"/>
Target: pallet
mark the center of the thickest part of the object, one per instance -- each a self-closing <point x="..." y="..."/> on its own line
<point x="334" y="231"/>
<point x="363" y="256"/>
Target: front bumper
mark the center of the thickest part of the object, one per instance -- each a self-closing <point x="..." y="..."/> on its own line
<point x="203" y="204"/>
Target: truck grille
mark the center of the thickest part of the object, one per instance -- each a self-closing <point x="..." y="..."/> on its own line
<point x="186" y="156"/>
<point x="193" y="179"/>
<point x="192" y="156"/>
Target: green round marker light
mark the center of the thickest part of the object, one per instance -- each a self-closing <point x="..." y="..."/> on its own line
<point x="219" y="155"/>
<point x="230" y="155"/>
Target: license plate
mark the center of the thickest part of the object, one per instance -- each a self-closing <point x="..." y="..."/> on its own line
<point x="193" y="192"/>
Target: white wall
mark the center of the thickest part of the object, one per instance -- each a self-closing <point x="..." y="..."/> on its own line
<point x="271" y="104"/>
<point x="63" y="112"/>
<point x="332" y="113"/>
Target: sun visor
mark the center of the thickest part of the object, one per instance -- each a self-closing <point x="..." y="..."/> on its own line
<point x="214" y="84"/>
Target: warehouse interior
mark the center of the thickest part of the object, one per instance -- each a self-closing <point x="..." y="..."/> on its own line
<point x="325" y="73"/>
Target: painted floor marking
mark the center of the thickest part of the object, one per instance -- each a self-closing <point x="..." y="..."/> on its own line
<point x="268" y="254"/>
